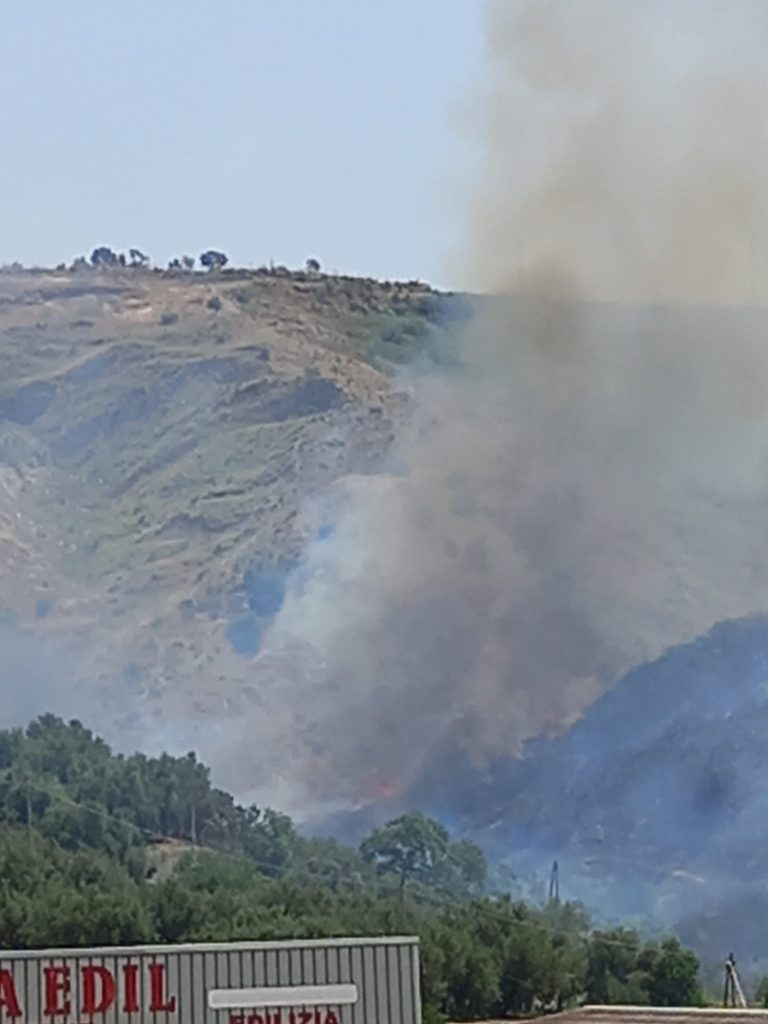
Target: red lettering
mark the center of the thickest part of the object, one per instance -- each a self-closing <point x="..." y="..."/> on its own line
<point x="131" y="988"/>
<point x="160" y="1001"/>
<point x="9" y="1001"/>
<point x="57" y="988"/>
<point x="255" y="1018"/>
<point x="305" y="1016"/>
<point x="331" y="1018"/>
<point x="236" y="1018"/>
<point x="99" y="990"/>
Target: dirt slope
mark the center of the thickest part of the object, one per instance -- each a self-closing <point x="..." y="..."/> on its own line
<point x="160" y="436"/>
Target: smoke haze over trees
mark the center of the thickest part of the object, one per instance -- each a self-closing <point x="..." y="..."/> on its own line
<point x="97" y="849"/>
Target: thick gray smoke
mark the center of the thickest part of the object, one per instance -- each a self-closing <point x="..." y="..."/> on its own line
<point x="591" y="486"/>
<point x="623" y="148"/>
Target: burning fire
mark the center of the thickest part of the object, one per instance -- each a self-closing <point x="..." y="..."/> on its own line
<point x="377" y="787"/>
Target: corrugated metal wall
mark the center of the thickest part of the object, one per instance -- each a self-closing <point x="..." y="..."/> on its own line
<point x="385" y="972"/>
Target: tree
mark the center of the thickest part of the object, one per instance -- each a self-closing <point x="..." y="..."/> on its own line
<point x="329" y="862"/>
<point x="177" y="911"/>
<point x="468" y="864"/>
<point x="761" y="991"/>
<point x="138" y="258"/>
<point x="475" y="978"/>
<point x="212" y="259"/>
<point x="611" y="962"/>
<point x="103" y="256"/>
<point x="188" y="262"/>
<point x="673" y="974"/>
<point x="269" y="837"/>
<point x="411" y="846"/>
<point x="312" y="266"/>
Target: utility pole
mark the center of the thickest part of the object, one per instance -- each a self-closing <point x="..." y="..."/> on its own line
<point x="554" y="883"/>
<point x="29" y="813"/>
<point x="733" y="993"/>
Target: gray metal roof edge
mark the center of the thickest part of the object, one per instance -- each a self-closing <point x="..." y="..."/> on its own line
<point x="205" y="947"/>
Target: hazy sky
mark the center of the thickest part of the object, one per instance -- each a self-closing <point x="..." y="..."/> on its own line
<point x="281" y="129"/>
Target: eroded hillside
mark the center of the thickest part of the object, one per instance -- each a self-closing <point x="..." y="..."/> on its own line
<point x="161" y="438"/>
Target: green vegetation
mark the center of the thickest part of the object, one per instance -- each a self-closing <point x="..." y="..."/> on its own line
<point x="97" y="848"/>
<point x="419" y="329"/>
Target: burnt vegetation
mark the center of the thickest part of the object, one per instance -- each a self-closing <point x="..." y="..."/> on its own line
<point x="98" y="848"/>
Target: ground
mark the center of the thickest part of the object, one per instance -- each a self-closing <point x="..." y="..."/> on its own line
<point x="161" y="438"/>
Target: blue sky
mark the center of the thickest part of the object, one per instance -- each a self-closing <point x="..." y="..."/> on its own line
<point x="279" y="130"/>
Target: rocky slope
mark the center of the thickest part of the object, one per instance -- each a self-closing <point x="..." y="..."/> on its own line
<point x="654" y="802"/>
<point x="160" y="438"/>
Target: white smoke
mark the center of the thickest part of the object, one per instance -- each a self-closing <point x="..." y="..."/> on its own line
<point x="591" y="486"/>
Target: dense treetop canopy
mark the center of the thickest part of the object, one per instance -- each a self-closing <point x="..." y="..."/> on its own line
<point x="97" y="848"/>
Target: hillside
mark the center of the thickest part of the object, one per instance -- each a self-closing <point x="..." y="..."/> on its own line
<point x="172" y="447"/>
<point x="98" y="849"/>
<point x="161" y="436"/>
<point x="653" y="803"/>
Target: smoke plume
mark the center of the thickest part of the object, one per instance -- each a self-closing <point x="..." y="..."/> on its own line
<point x="622" y="151"/>
<point x="590" y="485"/>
